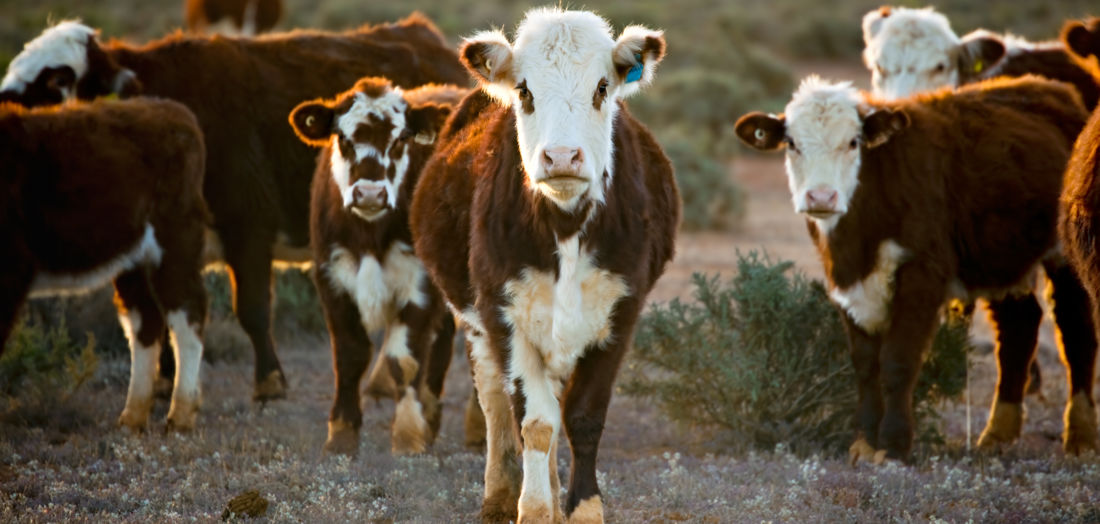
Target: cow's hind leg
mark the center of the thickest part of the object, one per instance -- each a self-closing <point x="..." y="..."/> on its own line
<point x="1016" y="320"/>
<point x="1077" y="341"/>
<point x="351" y="348"/>
<point x="439" y="360"/>
<point x="143" y="323"/>
<point x="249" y="258"/>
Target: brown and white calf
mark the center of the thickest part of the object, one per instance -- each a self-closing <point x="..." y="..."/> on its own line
<point x="913" y="202"/>
<point x="111" y="191"/>
<point x="915" y="50"/>
<point x="241" y="90"/>
<point x="545" y="216"/>
<point x="376" y="139"/>
<point x="1079" y="221"/>
<point x="249" y="17"/>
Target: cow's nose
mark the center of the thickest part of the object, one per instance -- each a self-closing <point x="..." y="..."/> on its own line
<point x="821" y="199"/>
<point x="369" y="196"/>
<point x="562" y="159"/>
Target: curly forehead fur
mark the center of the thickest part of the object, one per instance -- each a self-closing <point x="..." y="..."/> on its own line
<point x="907" y="31"/>
<point x="64" y="44"/>
<point x="822" y="105"/>
<point x="564" y="39"/>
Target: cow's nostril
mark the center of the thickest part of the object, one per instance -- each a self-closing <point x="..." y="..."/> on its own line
<point x="578" y="156"/>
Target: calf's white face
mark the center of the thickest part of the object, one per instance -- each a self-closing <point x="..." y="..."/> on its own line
<point x="914" y="50"/>
<point x="826" y="129"/>
<point x="563" y="76"/>
<point x="370" y="129"/>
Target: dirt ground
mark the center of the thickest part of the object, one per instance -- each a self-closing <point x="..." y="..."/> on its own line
<point x="74" y="465"/>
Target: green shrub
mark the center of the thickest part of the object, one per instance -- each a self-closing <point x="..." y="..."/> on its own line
<point x="710" y="198"/>
<point x="43" y="363"/>
<point x="765" y="361"/>
<point x="297" y="306"/>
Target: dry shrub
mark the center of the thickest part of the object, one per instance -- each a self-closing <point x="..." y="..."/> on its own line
<point x="764" y="361"/>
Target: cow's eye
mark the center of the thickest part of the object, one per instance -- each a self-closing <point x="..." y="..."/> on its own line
<point x="881" y="71"/>
<point x="525" y="97"/>
<point x="790" y="144"/>
<point x="940" y="68"/>
<point x="853" y="144"/>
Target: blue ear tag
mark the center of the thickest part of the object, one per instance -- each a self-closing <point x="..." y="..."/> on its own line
<point x="635" y="73"/>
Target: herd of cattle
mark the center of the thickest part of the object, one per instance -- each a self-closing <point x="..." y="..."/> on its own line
<point x="536" y="214"/>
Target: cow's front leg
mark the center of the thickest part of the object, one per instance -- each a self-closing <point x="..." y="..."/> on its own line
<point x="536" y="408"/>
<point x="918" y="295"/>
<point x="351" y="350"/>
<point x="406" y="349"/>
<point x="502" y="471"/>
<point x="864" y="349"/>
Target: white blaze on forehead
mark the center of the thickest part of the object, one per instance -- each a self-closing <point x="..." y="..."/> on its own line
<point x="822" y="119"/>
<point x="64" y="44"/>
<point x="904" y="53"/>
<point x="389" y="107"/>
<point x="562" y="56"/>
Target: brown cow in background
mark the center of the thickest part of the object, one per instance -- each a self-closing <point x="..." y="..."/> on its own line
<point x="249" y="17"/>
<point x="241" y="89"/>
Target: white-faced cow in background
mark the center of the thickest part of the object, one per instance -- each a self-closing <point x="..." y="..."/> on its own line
<point x="241" y="90"/>
<point x="375" y="140"/>
<point x="546" y="215"/>
<point x="915" y="50"/>
<point x="111" y="191"/>
<point x="913" y="202"/>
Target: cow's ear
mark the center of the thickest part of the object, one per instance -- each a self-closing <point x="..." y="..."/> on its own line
<point x="762" y="131"/>
<point x="1080" y="39"/>
<point x="636" y="55"/>
<point x="61" y="80"/>
<point x="425" y="121"/>
<point x="978" y="51"/>
<point x="882" y="124"/>
<point x="872" y="22"/>
<point x="312" y="122"/>
<point x="488" y="57"/>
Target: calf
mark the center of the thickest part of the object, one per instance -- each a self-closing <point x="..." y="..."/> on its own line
<point x="257" y="171"/>
<point x="249" y="17"/>
<point x="102" y="191"/>
<point x="546" y="215"/>
<point x="1079" y="221"/>
<point x="914" y="50"/>
<point x="916" y="201"/>
<point x="375" y="140"/>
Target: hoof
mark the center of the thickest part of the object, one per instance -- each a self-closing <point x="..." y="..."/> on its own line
<point x="1080" y="426"/>
<point x="861" y="451"/>
<point x="162" y="388"/>
<point x="134" y="421"/>
<point x="589" y="511"/>
<point x="410" y="429"/>
<point x="433" y="412"/>
<point x="1003" y="427"/>
<point x="272" y="387"/>
<point x="474" y="423"/>
<point x="182" y="416"/>
<point x="499" y="507"/>
<point x="380" y="382"/>
<point x="535" y="514"/>
<point x="343" y="439"/>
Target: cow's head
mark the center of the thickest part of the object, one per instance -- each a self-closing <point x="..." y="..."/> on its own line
<point x="825" y="128"/>
<point x="563" y="77"/>
<point x="371" y="129"/>
<point x="914" y="50"/>
<point x="1082" y="39"/>
<point x="63" y="63"/>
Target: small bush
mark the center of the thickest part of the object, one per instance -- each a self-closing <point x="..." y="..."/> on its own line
<point x="43" y="363"/>
<point x="710" y="199"/>
<point x="765" y="361"/>
<point x="296" y="304"/>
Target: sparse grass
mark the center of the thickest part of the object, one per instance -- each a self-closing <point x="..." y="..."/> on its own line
<point x="765" y="360"/>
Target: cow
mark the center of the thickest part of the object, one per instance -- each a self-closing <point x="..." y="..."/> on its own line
<point x="1079" y="219"/>
<point x="914" y="50"/>
<point x="375" y="139"/>
<point x="111" y="191"/>
<point x="916" y="201"/>
<point x="241" y="90"/>
<point x="545" y="216"/>
<point x="249" y="17"/>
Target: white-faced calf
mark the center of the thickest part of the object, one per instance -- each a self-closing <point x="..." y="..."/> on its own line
<point x="111" y="191"/>
<point x="916" y="201"/>
<point x="546" y="215"/>
<point x="915" y="50"/>
<point x="375" y="140"/>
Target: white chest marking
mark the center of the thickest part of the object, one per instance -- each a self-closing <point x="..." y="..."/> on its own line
<point x="145" y="251"/>
<point x="868" y="301"/>
<point x="559" y="319"/>
<point x="380" y="290"/>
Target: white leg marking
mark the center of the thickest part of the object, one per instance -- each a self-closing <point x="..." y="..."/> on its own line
<point x="541" y="425"/>
<point x="143" y="371"/>
<point x="187" y="393"/>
